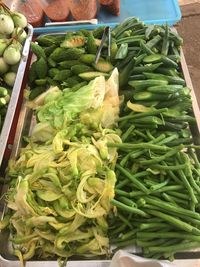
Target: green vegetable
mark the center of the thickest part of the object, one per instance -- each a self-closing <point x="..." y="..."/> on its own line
<point x="90" y="75"/>
<point x="41" y="68"/>
<point x="103" y="66"/>
<point x="77" y="69"/>
<point x="73" y="41"/>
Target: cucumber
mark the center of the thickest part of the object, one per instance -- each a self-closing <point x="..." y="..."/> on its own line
<point x="146" y="68"/>
<point x="41" y="68"/>
<point x="67" y="64"/>
<point x="61" y="54"/>
<point x="87" y="58"/>
<point x="51" y="62"/>
<point x="72" y="81"/>
<point x="48" y="50"/>
<point x="103" y="66"/>
<point x="164" y="89"/>
<point x="74" y="41"/>
<point x="90" y="75"/>
<point x="170" y="79"/>
<point x="52" y="72"/>
<point x="150" y="96"/>
<point x="3" y="91"/>
<point x="45" y="40"/>
<point x="137" y="77"/>
<point x="62" y="75"/>
<point x="152" y="58"/>
<point x="40" y="81"/>
<point x="36" y="92"/>
<point x="77" y="69"/>
<point x="142" y="84"/>
<point x="91" y="44"/>
<point x="37" y="50"/>
<point x="78" y="86"/>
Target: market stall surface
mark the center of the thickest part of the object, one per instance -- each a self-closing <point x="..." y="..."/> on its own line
<point x="189" y="29"/>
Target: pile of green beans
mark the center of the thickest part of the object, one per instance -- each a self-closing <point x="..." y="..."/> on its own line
<point x="157" y="194"/>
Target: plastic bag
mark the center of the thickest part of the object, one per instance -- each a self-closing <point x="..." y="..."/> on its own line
<point x="125" y="259"/>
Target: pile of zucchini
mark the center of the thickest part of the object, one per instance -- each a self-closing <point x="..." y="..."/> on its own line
<point x="158" y="185"/>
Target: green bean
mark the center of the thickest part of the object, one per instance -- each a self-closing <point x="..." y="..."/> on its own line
<point x="168" y="139"/>
<point x="124" y="220"/>
<point x="169" y="167"/>
<point x="170" y="207"/>
<point x="134" y="178"/>
<point x="194" y="157"/>
<point x="188" y="186"/>
<point x="163" y="157"/>
<point x="128" y="208"/>
<point x="143" y="114"/>
<point x="144" y="226"/>
<point x="125" y="243"/>
<point x="122" y="183"/>
<point x="176" y="200"/>
<point x="158" y="186"/>
<point x="138" y="132"/>
<point x="149" y="135"/>
<point x="175" y="221"/>
<point x="128" y="202"/>
<point x="178" y="195"/>
<point x="174" y="248"/>
<point x="170" y="188"/>
<point x="127" y="133"/>
<point x="126" y="146"/>
<point x="144" y="243"/>
<point x="169" y="198"/>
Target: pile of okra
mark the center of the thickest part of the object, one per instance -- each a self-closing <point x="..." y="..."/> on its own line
<point x="157" y="192"/>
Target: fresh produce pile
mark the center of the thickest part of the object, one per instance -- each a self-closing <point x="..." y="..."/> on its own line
<point x="61" y="199"/>
<point x="12" y="36"/>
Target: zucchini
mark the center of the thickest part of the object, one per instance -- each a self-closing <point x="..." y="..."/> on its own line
<point x="103" y="66"/>
<point x="90" y="75"/>
<point x="142" y="84"/>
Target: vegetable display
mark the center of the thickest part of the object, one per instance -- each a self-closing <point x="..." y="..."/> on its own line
<point x="99" y="168"/>
<point x="12" y="36"/>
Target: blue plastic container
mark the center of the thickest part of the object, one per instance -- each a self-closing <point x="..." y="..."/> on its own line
<point x="149" y="11"/>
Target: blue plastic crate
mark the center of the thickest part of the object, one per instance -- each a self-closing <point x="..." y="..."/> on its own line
<point x="149" y="11"/>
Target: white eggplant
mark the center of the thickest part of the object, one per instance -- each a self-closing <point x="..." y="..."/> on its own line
<point x="9" y="78"/>
<point x="3" y="44"/>
<point x="19" y="20"/>
<point x="6" y="24"/>
<point x="3" y="66"/>
<point x="12" y="53"/>
<point x="19" y="34"/>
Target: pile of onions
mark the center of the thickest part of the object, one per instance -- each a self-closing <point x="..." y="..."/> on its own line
<point x="12" y="36"/>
